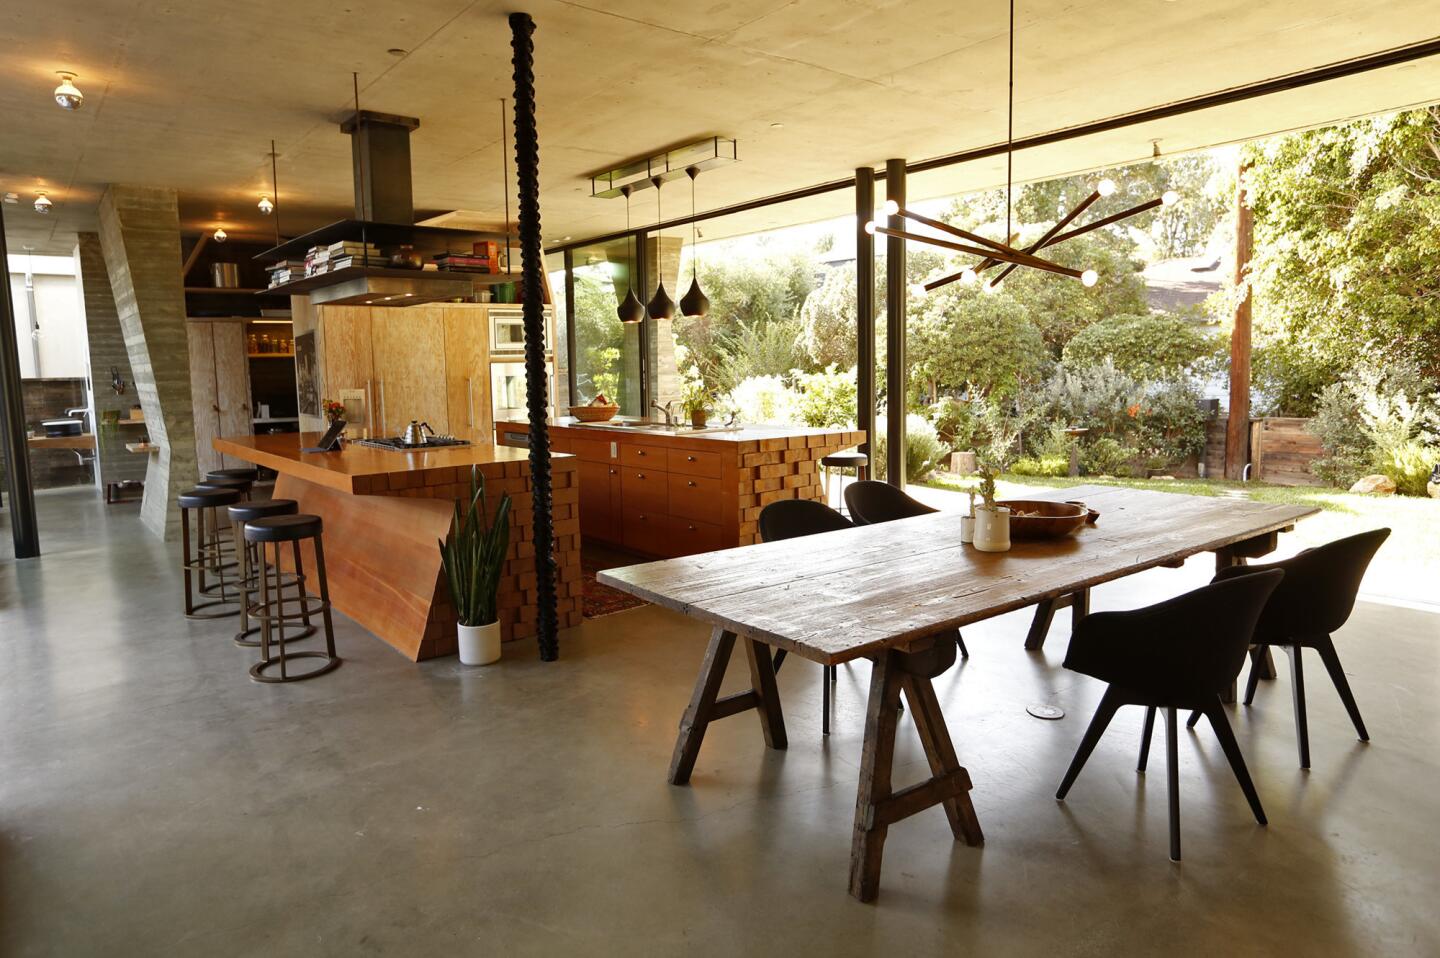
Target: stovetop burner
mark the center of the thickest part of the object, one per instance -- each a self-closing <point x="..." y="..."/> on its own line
<point x="400" y="445"/>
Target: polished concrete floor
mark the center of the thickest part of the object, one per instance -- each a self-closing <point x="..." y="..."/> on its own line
<point x="154" y="801"/>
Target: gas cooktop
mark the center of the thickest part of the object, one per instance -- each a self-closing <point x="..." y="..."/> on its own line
<point x="400" y="445"/>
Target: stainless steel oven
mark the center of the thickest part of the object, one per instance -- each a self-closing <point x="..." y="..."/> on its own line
<point x="507" y="389"/>
<point x="507" y="330"/>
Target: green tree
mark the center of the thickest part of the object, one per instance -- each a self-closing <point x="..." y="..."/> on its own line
<point x="962" y="338"/>
<point x="1149" y="346"/>
<point x="828" y="319"/>
<point x="599" y="335"/>
<point x="1347" y="237"/>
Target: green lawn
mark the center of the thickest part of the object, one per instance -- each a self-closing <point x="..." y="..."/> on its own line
<point x="1407" y="567"/>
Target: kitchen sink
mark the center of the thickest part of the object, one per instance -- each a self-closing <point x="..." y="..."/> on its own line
<point x="641" y="425"/>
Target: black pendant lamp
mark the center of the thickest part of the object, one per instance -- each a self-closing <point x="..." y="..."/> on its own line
<point x="694" y="302"/>
<point x="631" y="309"/>
<point x="661" y="305"/>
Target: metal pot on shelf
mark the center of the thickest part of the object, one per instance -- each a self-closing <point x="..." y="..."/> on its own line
<point x="225" y="275"/>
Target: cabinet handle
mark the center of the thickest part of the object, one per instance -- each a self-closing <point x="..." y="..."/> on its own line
<point x="638" y="475"/>
<point x="469" y="402"/>
<point x="370" y="404"/>
<point x="690" y="528"/>
<point x="689" y="458"/>
<point x="690" y="483"/>
<point x="641" y="517"/>
<point x="382" y="404"/>
<point x="612" y="472"/>
<point x="639" y="452"/>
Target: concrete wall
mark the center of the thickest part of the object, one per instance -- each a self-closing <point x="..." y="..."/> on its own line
<point x="106" y="342"/>
<point x="140" y="240"/>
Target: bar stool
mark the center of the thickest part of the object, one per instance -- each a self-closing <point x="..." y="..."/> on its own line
<point x="852" y="459"/>
<point x="244" y="472"/>
<point x="251" y="569"/>
<point x="270" y="610"/>
<point x="207" y="555"/>
<point x="215" y="480"/>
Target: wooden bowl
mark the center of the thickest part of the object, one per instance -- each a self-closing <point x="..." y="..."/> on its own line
<point x="594" y="413"/>
<point x="1043" y="519"/>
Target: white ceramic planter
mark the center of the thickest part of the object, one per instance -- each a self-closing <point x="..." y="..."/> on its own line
<point x="967" y="528"/>
<point x="479" y="644"/>
<point x="992" y="529"/>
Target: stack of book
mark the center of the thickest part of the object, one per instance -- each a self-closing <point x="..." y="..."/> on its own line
<point x="286" y="271"/>
<point x="463" y="263"/>
<point x="325" y="259"/>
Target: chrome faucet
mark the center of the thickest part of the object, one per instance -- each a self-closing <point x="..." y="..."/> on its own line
<point x="665" y="410"/>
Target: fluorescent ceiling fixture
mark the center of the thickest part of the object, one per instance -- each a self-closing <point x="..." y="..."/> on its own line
<point x="706" y="154"/>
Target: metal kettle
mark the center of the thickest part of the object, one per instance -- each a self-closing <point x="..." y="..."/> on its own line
<point x="415" y="433"/>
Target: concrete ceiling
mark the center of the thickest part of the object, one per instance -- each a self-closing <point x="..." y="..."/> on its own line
<point x="190" y="94"/>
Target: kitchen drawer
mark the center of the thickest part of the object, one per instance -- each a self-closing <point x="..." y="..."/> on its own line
<point x="650" y="457"/>
<point x="687" y="537"/>
<point x="595" y="450"/>
<point x="646" y="531"/>
<point x="694" y="497"/>
<point x="644" y="490"/>
<point x="692" y="462"/>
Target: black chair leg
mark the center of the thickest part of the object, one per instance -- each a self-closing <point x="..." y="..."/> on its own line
<point x="1257" y="666"/>
<point x="1326" y="648"/>
<point x="1221" y="725"/>
<point x="1194" y="719"/>
<point x="825" y="700"/>
<point x="1172" y="780"/>
<point x="1109" y="704"/>
<point x="1297" y="687"/>
<point x="960" y="641"/>
<point x="1145" y="737"/>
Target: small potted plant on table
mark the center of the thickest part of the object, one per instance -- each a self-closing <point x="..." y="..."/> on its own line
<point x="696" y="400"/>
<point x="992" y="522"/>
<point x="472" y="560"/>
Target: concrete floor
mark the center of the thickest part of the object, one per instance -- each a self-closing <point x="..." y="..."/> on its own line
<point x="155" y="801"/>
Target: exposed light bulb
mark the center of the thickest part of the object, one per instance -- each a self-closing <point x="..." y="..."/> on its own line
<point x="67" y="94"/>
<point x="265" y="205"/>
<point x="1169" y="198"/>
<point x="1089" y="277"/>
<point x="870" y="227"/>
<point x="918" y="290"/>
<point x="42" y="202"/>
<point x="1106" y="187"/>
<point x="220" y="235"/>
<point x="968" y="276"/>
<point x="890" y="208"/>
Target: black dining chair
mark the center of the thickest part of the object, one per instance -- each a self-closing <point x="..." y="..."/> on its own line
<point x="791" y="519"/>
<point x="871" y="502"/>
<point x="1312" y="602"/>
<point x="1178" y="654"/>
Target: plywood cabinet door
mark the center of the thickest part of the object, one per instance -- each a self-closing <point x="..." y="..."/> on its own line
<point x="409" y="363"/>
<point x="232" y="383"/>
<point x="348" y="358"/>
<point x="467" y="373"/>
<point x="204" y="401"/>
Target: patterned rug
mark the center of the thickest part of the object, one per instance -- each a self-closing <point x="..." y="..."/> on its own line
<point x="601" y="599"/>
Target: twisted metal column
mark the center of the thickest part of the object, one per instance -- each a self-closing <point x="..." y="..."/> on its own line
<point x="527" y="175"/>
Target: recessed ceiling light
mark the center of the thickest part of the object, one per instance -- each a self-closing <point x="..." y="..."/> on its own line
<point x="397" y="51"/>
<point x="67" y="95"/>
<point x="220" y="235"/>
<point x="777" y="126"/>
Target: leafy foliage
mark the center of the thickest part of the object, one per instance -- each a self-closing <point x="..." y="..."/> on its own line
<point x="1041" y="466"/>
<point x="923" y="450"/>
<point x="474" y="556"/>
<point x="962" y="337"/>
<point x="1385" y="421"/>
<point x="827" y="398"/>
<point x="1144" y="346"/>
<point x="828" y="320"/>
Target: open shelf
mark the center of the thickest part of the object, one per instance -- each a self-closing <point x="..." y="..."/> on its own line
<point x="299" y="286"/>
<point x="381" y="234"/>
<point x="222" y="290"/>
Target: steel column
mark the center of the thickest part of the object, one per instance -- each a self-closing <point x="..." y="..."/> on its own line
<point x="23" y="527"/>
<point x="571" y="375"/>
<point x="865" y="308"/>
<point x="895" y="295"/>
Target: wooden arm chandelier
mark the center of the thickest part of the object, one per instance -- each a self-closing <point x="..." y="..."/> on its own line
<point x="993" y="253"/>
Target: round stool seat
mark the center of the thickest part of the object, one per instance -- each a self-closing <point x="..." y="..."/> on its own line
<point x="213" y="481"/>
<point x="283" y="528"/>
<point x="204" y="497"/>
<point x="845" y="460"/>
<point x="250" y="473"/>
<point x="250" y="511"/>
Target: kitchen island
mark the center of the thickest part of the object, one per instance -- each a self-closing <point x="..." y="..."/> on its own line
<point x="384" y="512"/>
<point x="674" y="492"/>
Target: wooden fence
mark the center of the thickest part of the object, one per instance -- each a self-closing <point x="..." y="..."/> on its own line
<point x="1281" y="451"/>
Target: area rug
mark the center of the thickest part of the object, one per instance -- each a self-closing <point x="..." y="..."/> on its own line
<point x="601" y="599"/>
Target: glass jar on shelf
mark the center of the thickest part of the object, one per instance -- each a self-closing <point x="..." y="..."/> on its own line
<point x="252" y="344"/>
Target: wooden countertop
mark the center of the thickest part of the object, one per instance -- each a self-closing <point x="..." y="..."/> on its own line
<point x="743" y="434"/>
<point x="85" y="440"/>
<point x="340" y="469"/>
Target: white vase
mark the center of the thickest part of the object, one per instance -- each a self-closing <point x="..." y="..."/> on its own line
<point x="992" y="528"/>
<point x="967" y="528"/>
<point x="479" y="644"/>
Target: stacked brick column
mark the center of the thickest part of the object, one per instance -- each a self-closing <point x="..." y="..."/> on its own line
<point x="786" y="468"/>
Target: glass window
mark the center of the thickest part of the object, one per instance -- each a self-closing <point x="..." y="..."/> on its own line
<point x="607" y="359"/>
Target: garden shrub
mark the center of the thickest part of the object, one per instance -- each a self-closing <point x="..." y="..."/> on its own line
<point x="1152" y="346"/>
<point x="958" y="424"/>
<point x="764" y="400"/>
<point x="1170" y="425"/>
<point x="923" y="449"/>
<point x="1378" y="420"/>
<point x="826" y="398"/>
<point x="1041" y="466"/>
<point x="1107" y="457"/>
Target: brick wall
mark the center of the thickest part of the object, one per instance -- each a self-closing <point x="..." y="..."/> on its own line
<point x="775" y="469"/>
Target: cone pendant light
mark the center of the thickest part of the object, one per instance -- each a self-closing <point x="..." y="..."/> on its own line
<point x="661" y="305"/>
<point x="631" y="309"/>
<point x="694" y="302"/>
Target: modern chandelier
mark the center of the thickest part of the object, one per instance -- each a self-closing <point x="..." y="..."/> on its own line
<point x="993" y="253"/>
<point x="631" y="310"/>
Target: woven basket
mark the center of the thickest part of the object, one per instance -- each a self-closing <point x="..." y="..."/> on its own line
<point x="594" y="413"/>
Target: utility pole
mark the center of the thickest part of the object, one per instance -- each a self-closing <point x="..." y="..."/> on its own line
<point x="1237" y="429"/>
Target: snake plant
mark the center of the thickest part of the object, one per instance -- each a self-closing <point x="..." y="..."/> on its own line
<point x="474" y="554"/>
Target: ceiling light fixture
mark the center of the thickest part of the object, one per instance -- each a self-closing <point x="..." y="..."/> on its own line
<point x="42" y="201"/>
<point x="220" y="235"/>
<point x="994" y="253"/>
<point x="265" y="205"/>
<point x="631" y="310"/>
<point x="703" y="155"/>
<point x="661" y="306"/>
<point x="67" y="94"/>
<point x="694" y="302"/>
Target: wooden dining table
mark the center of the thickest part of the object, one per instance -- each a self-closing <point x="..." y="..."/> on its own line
<point x="895" y="593"/>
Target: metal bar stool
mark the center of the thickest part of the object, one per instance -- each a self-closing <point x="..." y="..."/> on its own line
<point x="852" y="459"/>
<point x="245" y="472"/>
<point x="206" y="555"/>
<point x="251" y="569"/>
<point x="270" y="610"/>
<point x="224" y="534"/>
